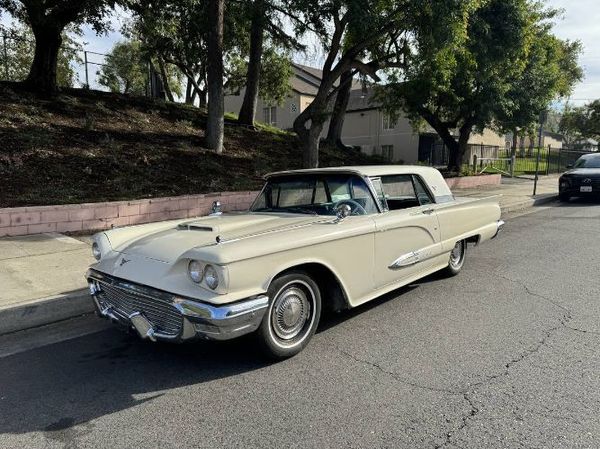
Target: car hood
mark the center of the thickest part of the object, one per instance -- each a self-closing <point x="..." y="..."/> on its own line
<point x="167" y="245"/>
<point x="584" y="172"/>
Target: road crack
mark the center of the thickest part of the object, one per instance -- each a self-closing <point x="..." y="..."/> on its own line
<point x="467" y="392"/>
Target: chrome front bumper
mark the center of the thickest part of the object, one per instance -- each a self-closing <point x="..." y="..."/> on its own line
<point x="159" y="315"/>
<point x="500" y="225"/>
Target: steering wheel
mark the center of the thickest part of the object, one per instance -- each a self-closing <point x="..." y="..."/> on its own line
<point x="356" y="208"/>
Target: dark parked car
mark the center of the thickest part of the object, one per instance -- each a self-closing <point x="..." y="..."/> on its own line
<point x="582" y="180"/>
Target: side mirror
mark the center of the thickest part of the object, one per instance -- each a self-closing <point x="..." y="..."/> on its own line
<point x="216" y="208"/>
<point x="342" y="211"/>
<point x="569" y="166"/>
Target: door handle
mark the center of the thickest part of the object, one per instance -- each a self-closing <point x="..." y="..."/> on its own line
<point x="428" y="211"/>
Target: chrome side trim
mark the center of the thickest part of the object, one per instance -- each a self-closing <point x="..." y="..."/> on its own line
<point x="405" y="260"/>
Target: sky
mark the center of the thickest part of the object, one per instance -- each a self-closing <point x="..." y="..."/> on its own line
<point x="579" y="21"/>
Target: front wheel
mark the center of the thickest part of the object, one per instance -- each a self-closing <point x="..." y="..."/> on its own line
<point x="457" y="258"/>
<point x="292" y="317"/>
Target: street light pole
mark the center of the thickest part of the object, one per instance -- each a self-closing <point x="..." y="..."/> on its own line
<point x="543" y="117"/>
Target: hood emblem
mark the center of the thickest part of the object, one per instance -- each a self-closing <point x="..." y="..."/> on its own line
<point x="124" y="261"/>
<point x="587" y="181"/>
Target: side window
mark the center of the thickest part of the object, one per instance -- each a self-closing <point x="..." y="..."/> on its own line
<point x="399" y="192"/>
<point x="422" y="194"/>
<point x="362" y="195"/>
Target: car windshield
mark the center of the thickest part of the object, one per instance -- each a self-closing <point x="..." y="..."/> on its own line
<point x="315" y="195"/>
<point x="588" y="162"/>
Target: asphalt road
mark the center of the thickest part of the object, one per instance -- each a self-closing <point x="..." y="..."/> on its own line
<point x="504" y="355"/>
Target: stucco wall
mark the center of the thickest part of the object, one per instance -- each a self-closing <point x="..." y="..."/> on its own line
<point x="365" y="129"/>
<point x="285" y="112"/>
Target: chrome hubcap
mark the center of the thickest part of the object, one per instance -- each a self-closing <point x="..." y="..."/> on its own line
<point x="290" y="312"/>
<point x="456" y="254"/>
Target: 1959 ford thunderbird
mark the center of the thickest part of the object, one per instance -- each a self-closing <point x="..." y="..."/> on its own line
<point x="334" y="237"/>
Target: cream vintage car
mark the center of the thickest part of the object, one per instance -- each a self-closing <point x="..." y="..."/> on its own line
<point x="332" y="237"/>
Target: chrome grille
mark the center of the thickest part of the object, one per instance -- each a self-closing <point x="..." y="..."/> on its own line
<point x="163" y="316"/>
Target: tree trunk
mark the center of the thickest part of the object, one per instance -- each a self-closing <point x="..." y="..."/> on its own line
<point x="189" y="89"/>
<point x="248" y="109"/>
<point x="336" y="124"/>
<point x="215" y="123"/>
<point x="42" y="74"/>
<point x="457" y="152"/>
<point x="165" y="79"/>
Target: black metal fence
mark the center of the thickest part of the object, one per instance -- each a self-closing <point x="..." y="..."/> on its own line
<point x="495" y="159"/>
<point x="545" y="160"/>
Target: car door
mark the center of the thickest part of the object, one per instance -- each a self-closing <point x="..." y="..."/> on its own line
<point x="407" y="235"/>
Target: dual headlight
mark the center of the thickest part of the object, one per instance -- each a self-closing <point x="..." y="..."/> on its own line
<point x="200" y="272"/>
<point x="96" y="251"/>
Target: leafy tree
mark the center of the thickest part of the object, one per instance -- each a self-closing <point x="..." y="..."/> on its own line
<point x="125" y="70"/>
<point x="480" y="64"/>
<point x="265" y="20"/>
<point x="20" y="47"/>
<point x="364" y="39"/>
<point x="581" y="122"/>
<point x="48" y="20"/>
<point x="275" y="73"/>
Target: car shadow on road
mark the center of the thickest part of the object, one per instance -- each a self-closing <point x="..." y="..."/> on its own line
<point x="580" y="202"/>
<point x="57" y="387"/>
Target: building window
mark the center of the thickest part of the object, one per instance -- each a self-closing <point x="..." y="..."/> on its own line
<point x="387" y="152"/>
<point x="388" y="122"/>
<point x="270" y="115"/>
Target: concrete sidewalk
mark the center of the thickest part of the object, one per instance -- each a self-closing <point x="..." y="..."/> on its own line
<point x="41" y="276"/>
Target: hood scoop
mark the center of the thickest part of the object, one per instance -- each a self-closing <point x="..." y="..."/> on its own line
<point x="195" y="227"/>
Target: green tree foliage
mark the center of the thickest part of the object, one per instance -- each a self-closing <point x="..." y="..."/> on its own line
<point x="478" y="64"/>
<point x="276" y="71"/>
<point x="20" y="47"/>
<point x="581" y="122"/>
<point x="357" y="35"/>
<point x="48" y="21"/>
<point x="125" y="70"/>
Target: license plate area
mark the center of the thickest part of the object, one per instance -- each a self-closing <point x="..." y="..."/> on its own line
<point x="585" y="189"/>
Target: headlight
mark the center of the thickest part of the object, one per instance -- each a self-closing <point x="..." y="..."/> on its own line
<point x="211" y="277"/>
<point x="195" y="271"/>
<point x="96" y="251"/>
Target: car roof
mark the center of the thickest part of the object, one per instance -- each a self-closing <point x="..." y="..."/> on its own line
<point x="365" y="170"/>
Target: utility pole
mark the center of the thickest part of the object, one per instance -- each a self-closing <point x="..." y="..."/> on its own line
<point x="543" y="118"/>
<point x="87" y="76"/>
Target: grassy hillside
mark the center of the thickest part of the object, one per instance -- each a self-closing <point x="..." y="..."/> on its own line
<point x="88" y="146"/>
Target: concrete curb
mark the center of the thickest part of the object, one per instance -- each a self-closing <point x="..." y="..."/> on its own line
<point x="532" y="202"/>
<point x="43" y="311"/>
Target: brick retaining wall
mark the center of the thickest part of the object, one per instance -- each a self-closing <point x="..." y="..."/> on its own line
<point x="98" y="216"/>
<point x="468" y="182"/>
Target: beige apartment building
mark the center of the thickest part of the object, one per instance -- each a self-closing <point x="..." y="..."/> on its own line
<point x="366" y="125"/>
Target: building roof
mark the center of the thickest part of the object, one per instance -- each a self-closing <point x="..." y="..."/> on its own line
<point x="362" y="100"/>
<point x="306" y="79"/>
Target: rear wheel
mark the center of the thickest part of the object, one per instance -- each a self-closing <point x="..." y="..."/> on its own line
<point x="292" y="317"/>
<point x="457" y="258"/>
